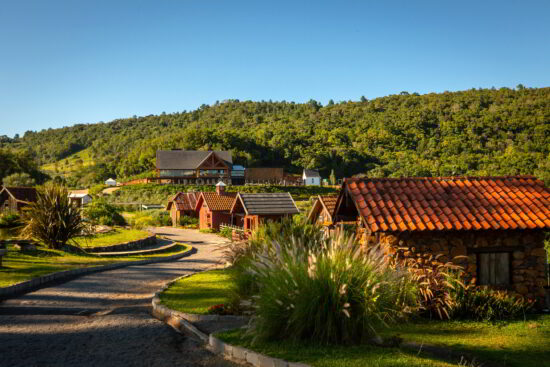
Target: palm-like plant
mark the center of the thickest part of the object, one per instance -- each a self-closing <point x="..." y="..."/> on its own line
<point x="53" y="219"/>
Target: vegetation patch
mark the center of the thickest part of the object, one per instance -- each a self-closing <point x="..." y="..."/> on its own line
<point x="334" y="355"/>
<point x="523" y="343"/>
<point x="199" y="292"/>
<point x="20" y="266"/>
<point x="114" y="237"/>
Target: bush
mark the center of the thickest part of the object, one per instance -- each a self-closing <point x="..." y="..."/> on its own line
<point x="100" y="212"/>
<point x="187" y="221"/>
<point x="151" y="218"/>
<point x="327" y="291"/>
<point x="437" y="283"/>
<point x="226" y="232"/>
<point x="484" y="304"/>
<point x="8" y="220"/>
<point x="53" y="218"/>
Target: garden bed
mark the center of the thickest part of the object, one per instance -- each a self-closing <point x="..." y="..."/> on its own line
<point x="21" y="266"/>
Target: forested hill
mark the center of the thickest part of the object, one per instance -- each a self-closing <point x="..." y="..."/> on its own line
<point x="474" y="132"/>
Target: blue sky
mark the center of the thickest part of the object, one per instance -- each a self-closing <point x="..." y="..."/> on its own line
<point x="67" y="62"/>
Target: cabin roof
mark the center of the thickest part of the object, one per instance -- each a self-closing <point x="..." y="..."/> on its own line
<point x="186" y="201"/>
<point x="188" y="159"/>
<point x="21" y="194"/>
<point x="216" y="202"/>
<point x="267" y="203"/>
<point x="450" y="203"/>
<point x="311" y="173"/>
<point x="327" y="202"/>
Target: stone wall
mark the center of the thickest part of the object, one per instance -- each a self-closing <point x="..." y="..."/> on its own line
<point x="528" y="256"/>
<point x="127" y="246"/>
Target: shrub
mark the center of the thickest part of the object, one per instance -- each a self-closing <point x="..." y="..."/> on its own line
<point x="484" y="304"/>
<point x="187" y="221"/>
<point x="226" y="232"/>
<point x="437" y="283"/>
<point x="101" y="212"/>
<point x="143" y="220"/>
<point x="53" y="218"/>
<point x="327" y="291"/>
<point x="9" y="219"/>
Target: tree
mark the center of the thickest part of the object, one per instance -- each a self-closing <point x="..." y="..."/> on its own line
<point x="364" y="99"/>
<point x="332" y="177"/>
<point x="330" y="102"/>
<point x="53" y="219"/>
<point x="19" y="179"/>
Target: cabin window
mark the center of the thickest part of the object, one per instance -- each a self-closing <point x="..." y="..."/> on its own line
<point x="494" y="268"/>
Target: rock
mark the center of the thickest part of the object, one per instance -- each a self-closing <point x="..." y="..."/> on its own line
<point x="521" y="289"/>
<point x="538" y="252"/>
<point x="518" y="255"/>
<point x="481" y="242"/>
<point x="458" y="251"/>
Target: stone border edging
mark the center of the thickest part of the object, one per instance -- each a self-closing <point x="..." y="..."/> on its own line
<point x="137" y="252"/>
<point x="50" y="279"/>
<point x="131" y="245"/>
<point x="181" y="320"/>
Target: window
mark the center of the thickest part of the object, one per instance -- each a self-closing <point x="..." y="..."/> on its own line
<point x="493" y="268"/>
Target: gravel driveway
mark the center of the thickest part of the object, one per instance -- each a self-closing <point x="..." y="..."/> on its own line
<point x="104" y="319"/>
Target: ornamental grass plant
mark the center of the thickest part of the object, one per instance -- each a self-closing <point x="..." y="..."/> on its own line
<point x="327" y="291"/>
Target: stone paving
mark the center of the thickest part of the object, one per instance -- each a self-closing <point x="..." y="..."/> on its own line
<point x="104" y="319"/>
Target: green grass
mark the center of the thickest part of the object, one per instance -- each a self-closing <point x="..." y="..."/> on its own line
<point x="72" y="166"/>
<point x="511" y="344"/>
<point x="116" y="236"/>
<point x="336" y="356"/>
<point x="21" y="266"/>
<point x="516" y="343"/>
<point x="195" y="294"/>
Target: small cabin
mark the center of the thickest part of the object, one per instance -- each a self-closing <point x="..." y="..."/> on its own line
<point x="311" y="177"/>
<point x="182" y="204"/>
<point x="494" y="227"/>
<point x="80" y="198"/>
<point x="15" y="198"/>
<point x="251" y="210"/>
<point x="110" y="182"/>
<point x="214" y="207"/>
<point x="322" y="210"/>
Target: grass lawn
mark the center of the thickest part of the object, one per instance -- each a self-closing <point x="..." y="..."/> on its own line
<point x="336" y="356"/>
<point x="18" y="266"/>
<point x="510" y="344"/>
<point x="116" y="236"/>
<point x="195" y="294"/>
<point x="516" y="343"/>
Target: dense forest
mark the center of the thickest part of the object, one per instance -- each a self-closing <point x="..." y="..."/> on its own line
<point x="474" y="132"/>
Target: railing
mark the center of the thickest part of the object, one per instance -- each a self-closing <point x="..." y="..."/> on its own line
<point x="233" y="227"/>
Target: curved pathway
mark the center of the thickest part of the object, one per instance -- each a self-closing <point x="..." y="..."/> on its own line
<point x="104" y="319"/>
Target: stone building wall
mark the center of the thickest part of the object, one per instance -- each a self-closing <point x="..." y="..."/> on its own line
<point x="528" y="256"/>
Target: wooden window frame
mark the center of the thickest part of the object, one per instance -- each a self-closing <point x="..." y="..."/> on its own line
<point x="494" y="250"/>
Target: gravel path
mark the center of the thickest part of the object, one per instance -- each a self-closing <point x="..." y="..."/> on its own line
<point x="104" y="319"/>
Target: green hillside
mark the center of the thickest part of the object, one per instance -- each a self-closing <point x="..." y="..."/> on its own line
<point x="474" y="132"/>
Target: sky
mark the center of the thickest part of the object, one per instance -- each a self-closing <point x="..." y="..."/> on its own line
<point x="67" y="62"/>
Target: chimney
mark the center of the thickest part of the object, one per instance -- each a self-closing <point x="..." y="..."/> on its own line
<point x="220" y="188"/>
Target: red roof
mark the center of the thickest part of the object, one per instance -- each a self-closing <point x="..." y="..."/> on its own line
<point x="216" y="202"/>
<point x="457" y="203"/>
<point x="185" y="201"/>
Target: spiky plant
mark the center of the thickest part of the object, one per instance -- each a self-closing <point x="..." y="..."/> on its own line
<point x="53" y="219"/>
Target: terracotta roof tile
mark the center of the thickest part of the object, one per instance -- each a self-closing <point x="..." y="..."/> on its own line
<point x="217" y="202"/>
<point x="457" y="203"/>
